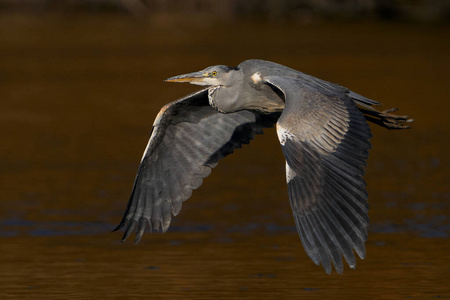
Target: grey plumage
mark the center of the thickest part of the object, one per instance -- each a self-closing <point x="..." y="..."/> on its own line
<point x="323" y="134"/>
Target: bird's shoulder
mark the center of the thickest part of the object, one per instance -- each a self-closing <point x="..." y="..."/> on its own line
<point x="173" y="113"/>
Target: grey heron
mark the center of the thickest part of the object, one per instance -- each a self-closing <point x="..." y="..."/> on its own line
<point x="324" y="135"/>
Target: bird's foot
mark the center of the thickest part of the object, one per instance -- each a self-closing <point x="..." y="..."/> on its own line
<point x="393" y="121"/>
<point x="386" y="118"/>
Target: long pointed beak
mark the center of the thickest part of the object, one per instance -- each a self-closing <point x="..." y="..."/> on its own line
<point x="194" y="78"/>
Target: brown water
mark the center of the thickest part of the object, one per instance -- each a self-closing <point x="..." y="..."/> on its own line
<point x="78" y="96"/>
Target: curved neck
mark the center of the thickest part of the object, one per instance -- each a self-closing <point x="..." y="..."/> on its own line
<point x="225" y="97"/>
<point x="239" y="92"/>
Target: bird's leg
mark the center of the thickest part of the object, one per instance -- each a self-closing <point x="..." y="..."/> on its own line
<point x="386" y="118"/>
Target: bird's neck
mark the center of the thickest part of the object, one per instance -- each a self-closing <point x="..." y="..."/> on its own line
<point x="212" y="96"/>
<point x="224" y="98"/>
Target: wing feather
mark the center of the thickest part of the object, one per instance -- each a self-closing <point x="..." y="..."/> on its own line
<point x="187" y="140"/>
<point x="325" y="140"/>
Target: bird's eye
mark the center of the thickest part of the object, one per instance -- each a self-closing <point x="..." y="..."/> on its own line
<point x="213" y="73"/>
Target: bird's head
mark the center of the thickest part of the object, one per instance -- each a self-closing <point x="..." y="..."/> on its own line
<point x="211" y="76"/>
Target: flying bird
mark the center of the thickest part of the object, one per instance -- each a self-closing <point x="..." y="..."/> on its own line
<point x="323" y="131"/>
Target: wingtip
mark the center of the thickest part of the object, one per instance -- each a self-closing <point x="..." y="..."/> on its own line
<point x="118" y="227"/>
<point x="140" y="230"/>
<point x="128" y="231"/>
<point x="137" y="239"/>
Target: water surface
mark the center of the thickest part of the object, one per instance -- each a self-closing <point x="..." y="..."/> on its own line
<point x="78" y="97"/>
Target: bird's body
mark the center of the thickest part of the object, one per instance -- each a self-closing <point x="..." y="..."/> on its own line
<point x="323" y="134"/>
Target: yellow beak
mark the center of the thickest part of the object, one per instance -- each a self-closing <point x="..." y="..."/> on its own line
<point x="195" y="77"/>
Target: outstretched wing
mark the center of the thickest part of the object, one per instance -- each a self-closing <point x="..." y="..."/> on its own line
<point x="325" y="141"/>
<point x="187" y="140"/>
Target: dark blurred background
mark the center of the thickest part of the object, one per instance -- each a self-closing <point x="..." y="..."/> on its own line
<point x="81" y="83"/>
<point x="303" y="11"/>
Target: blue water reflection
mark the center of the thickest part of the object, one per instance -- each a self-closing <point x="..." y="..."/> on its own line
<point x="435" y="226"/>
<point x="16" y="226"/>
